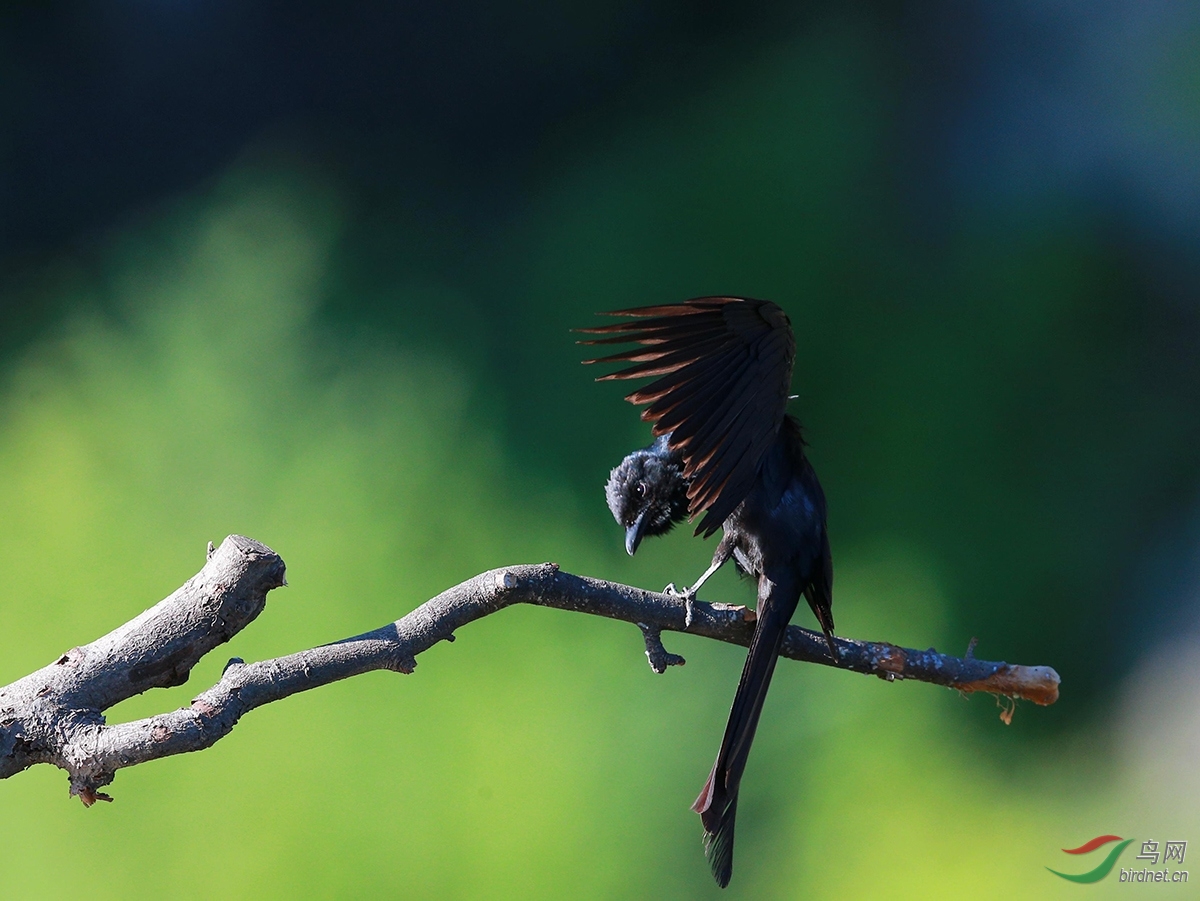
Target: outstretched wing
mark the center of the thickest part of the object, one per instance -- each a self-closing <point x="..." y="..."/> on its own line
<point x="724" y="367"/>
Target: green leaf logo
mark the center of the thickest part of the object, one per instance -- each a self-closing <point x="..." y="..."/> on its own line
<point x="1105" y="866"/>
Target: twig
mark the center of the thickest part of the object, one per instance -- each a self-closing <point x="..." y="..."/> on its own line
<point x="660" y="658"/>
<point x="56" y="715"/>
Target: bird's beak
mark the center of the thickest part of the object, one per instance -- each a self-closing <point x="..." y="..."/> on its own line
<point x="633" y="535"/>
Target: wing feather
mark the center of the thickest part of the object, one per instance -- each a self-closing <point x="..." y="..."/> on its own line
<point x="671" y="410"/>
<point x="666" y="351"/>
<point x="666" y="386"/>
<point x="723" y="368"/>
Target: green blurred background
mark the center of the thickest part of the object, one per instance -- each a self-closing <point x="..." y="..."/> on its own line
<point x="306" y="272"/>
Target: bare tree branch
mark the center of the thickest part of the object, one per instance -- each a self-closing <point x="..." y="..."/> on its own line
<point x="56" y="715"/>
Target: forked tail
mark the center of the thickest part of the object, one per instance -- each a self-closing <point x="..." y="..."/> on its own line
<point x="717" y="803"/>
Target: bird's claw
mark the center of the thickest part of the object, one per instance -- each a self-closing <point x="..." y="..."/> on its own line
<point x="688" y="596"/>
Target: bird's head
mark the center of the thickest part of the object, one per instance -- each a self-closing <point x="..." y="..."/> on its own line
<point x="647" y="495"/>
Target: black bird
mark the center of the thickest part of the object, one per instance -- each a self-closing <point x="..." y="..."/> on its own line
<point x="725" y="447"/>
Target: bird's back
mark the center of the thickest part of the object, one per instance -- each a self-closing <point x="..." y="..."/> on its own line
<point x="781" y="522"/>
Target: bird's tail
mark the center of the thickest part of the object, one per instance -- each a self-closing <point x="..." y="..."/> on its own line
<point x="717" y="803"/>
<point x="718" y="843"/>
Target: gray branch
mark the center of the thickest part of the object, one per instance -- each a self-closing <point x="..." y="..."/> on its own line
<point x="56" y="715"/>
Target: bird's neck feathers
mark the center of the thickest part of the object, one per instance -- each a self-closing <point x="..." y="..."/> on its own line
<point x="661" y="448"/>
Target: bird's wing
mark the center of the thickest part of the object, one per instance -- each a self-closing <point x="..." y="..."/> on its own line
<point x="724" y="367"/>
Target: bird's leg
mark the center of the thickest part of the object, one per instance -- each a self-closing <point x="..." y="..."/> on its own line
<point x="723" y="552"/>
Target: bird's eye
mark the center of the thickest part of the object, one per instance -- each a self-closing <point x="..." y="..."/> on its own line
<point x="639" y="490"/>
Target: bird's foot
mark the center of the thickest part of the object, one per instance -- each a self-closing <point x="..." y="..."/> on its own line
<point x="688" y="596"/>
